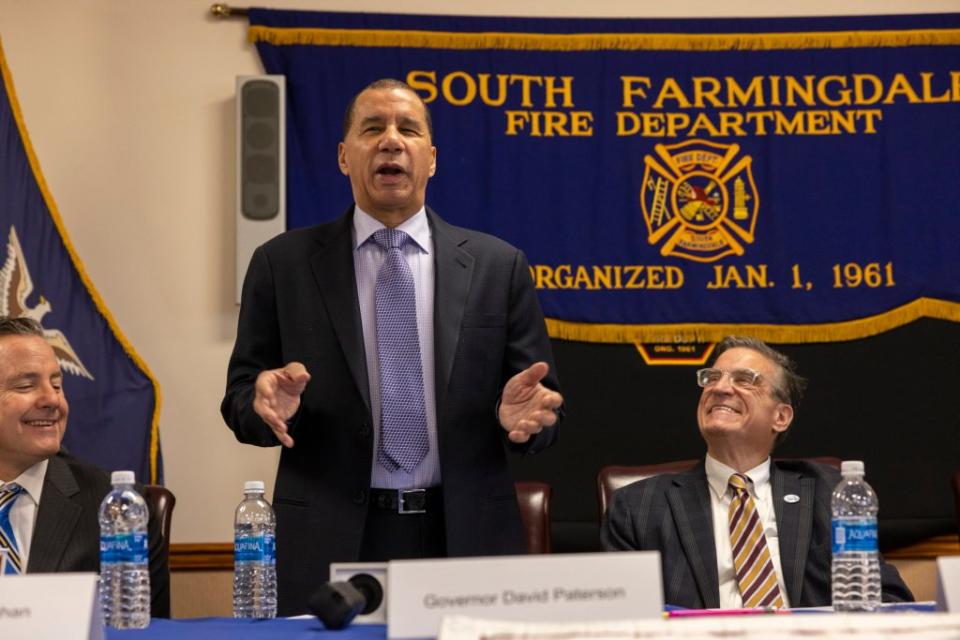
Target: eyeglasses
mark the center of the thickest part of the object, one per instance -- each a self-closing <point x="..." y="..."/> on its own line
<point x="742" y="378"/>
<point x="746" y="379"/>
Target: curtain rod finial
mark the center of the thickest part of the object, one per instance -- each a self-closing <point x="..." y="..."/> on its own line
<point x="220" y="10"/>
<point x="223" y="10"/>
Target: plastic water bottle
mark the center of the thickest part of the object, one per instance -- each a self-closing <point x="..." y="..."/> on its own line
<point x="124" y="556"/>
<point x="856" y="556"/>
<point x="254" y="556"/>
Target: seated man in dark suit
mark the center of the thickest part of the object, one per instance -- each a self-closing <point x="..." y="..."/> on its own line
<point x="775" y="514"/>
<point x="49" y="501"/>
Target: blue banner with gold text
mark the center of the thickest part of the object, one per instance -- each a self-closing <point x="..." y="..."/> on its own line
<point x="669" y="180"/>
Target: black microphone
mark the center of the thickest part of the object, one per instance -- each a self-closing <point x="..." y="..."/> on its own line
<point x="338" y="603"/>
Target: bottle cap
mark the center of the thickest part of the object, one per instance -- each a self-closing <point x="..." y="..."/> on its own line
<point x="851" y="467"/>
<point x="253" y="485"/>
<point x="122" y="477"/>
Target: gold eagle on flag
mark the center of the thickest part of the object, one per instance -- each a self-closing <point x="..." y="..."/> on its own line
<point x="15" y="287"/>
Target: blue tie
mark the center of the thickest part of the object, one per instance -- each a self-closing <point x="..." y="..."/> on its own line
<point x="403" y="417"/>
<point x="8" y="542"/>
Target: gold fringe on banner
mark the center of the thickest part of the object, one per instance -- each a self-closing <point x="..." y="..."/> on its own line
<point x="81" y="271"/>
<point x="778" y="334"/>
<point x="604" y="41"/>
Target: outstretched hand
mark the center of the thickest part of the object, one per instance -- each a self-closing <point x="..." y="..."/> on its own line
<point x="526" y="406"/>
<point x="278" y="397"/>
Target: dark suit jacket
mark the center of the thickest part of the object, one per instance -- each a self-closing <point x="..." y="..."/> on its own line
<point x="66" y="535"/>
<point x="671" y="513"/>
<point x="300" y="303"/>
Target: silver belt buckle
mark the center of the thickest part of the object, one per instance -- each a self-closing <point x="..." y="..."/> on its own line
<point x="417" y="497"/>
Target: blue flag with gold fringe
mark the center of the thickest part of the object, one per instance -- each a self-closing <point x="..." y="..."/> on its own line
<point x="670" y="180"/>
<point x="114" y="400"/>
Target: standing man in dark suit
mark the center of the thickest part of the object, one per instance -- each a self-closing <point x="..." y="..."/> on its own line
<point x="397" y="358"/>
<point x="49" y="501"/>
<point x="739" y="530"/>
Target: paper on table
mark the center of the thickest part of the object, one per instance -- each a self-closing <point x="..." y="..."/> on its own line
<point x="904" y="626"/>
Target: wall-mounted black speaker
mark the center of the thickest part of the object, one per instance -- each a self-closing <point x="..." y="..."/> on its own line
<point x="261" y="165"/>
<point x="260" y="136"/>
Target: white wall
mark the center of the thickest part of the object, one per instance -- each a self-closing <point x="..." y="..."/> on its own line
<point x="130" y="109"/>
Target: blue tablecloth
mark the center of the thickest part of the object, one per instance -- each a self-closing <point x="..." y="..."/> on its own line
<point x="313" y="629"/>
<point x="233" y="629"/>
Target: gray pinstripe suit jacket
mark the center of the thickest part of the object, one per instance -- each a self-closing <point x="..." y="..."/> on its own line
<point x="671" y="513"/>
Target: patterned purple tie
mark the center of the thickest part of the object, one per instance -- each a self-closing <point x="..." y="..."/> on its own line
<point x="403" y="417"/>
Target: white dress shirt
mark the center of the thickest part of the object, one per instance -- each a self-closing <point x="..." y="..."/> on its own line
<point x="23" y="513"/>
<point x="367" y="259"/>
<point x="718" y="477"/>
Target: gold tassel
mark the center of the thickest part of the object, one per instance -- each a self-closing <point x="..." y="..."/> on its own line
<point x="604" y="41"/>
<point x="778" y="334"/>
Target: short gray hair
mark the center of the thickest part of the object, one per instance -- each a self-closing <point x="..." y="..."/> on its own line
<point x="21" y="326"/>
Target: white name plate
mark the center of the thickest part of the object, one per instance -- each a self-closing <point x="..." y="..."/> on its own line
<point x="948" y="584"/>
<point x="534" y="588"/>
<point x="50" y="606"/>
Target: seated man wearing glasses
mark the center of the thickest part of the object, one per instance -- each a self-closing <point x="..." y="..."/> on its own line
<point x="740" y="529"/>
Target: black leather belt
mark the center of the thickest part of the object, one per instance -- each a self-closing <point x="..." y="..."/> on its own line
<point x="407" y="501"/>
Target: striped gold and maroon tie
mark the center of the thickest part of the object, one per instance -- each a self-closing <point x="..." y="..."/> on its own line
<point x="756" y="576"/>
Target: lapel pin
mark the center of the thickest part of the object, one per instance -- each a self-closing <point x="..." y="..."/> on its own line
<point x="791" y="498"/>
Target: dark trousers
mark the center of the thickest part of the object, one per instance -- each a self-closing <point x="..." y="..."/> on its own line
<point x="389" y="535"/>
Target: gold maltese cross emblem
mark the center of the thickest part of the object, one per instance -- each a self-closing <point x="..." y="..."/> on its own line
<point x="699" y="199"/>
